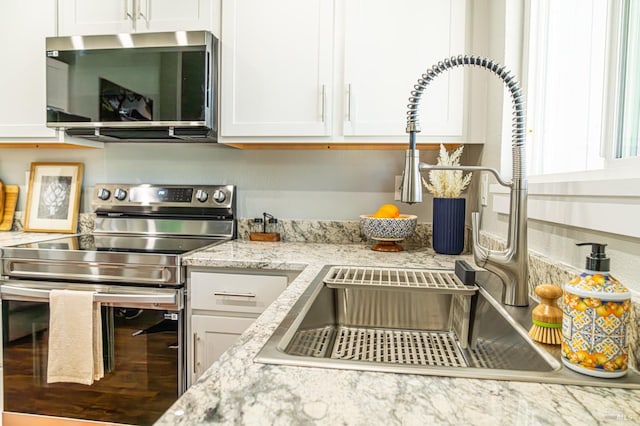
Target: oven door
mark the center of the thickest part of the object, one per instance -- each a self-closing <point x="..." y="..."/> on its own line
<point x="143" y="353"/>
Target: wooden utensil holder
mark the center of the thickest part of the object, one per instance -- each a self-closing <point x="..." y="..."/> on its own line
<point x="264" y="236"/>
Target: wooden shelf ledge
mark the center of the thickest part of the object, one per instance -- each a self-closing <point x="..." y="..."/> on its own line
<point x="341" y="146"/>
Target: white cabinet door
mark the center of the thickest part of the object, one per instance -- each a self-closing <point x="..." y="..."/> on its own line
<point x="90" y="17"/>
<point x="185" y="15"/>
<point x="276" y="67"/>
<point x="87" y="17"/>
<point x="22" y="74"/>
<point x="212" y="335"/>
<point x="388" y="45"/>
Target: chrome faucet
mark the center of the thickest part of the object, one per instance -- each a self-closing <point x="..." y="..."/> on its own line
<point x="510" y="264"/>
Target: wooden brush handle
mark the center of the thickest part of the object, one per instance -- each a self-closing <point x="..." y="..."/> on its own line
<point x="548" y="311"/>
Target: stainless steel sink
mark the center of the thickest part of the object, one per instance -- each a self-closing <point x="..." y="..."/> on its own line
<point x="416" y="322"/>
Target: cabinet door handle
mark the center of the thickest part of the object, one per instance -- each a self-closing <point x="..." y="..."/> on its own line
<point x="134" y="15"/>
<point x="195" y="353"/>
<point x="128" y="12"/>
<point x="147" y="13"/>
<point x="323" y="100"/>
<point x="233" y="294"/>
<point x="349" y="102"/>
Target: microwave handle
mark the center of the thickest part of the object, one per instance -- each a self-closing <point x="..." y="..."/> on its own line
<point x="110" y="298"/>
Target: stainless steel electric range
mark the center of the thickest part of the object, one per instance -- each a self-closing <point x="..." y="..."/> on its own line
<point x="133" y="262"/>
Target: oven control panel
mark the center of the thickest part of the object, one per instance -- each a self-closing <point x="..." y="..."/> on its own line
<point x="143" y="195"/>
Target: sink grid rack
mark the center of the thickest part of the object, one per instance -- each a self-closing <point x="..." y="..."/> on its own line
<point x="434" y="280"/>
<point x="422" y="348"/>
<point x="411" y="279"/>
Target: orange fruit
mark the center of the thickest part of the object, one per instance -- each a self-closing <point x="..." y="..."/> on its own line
<point x="387" y="211"/>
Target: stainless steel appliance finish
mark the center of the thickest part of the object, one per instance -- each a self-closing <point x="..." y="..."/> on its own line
<point x="397" y="330"/>
<point x="141" y="233"/>
<point x="133" y="263"/>
<point x="106" y="99"/>
<point x="510" y="264"/>
<point x="107" y="295"/>
<point x="143" y="353"/>
<point x="400" y="278"/>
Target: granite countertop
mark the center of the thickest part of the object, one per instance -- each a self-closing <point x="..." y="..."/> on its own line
<point x="237" y="390"/>
<point x="10" y="238"/>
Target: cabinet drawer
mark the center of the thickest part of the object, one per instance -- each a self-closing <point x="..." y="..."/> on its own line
<point x="235" y="292"/>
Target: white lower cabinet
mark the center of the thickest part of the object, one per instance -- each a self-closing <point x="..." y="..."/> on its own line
<point x="212" y="335"/>
<point x="222" y="305"/>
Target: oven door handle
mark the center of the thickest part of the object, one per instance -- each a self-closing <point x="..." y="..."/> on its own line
<point x="107" y="298"/>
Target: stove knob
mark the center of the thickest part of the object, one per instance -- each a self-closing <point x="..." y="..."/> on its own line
<point x="219" y="196"/>
<point x="104" y="194"/>
<point x="202" y="195"/>
<point x="120" y="194"/>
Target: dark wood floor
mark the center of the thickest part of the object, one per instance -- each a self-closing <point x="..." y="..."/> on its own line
<point x="137" y="390"/>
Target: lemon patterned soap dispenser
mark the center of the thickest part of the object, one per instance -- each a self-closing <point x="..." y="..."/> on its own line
<point x="595" y="319"/>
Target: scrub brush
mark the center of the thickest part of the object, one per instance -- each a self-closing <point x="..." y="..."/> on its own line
<point x="547" y="316"/>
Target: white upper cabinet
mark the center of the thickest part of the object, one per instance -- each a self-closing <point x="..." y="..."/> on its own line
<point x="276" y="68"/>
<point x="387" y="46"/>
<point x="338" y="71"/>
<point x="89" y="17"/>
<point x="22" y="75"/>
<point x="77" y="17"/>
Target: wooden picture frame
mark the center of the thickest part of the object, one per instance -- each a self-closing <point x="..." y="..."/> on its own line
<point x="53" y="200"/>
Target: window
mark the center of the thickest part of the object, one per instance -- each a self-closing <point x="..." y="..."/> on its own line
<point x="582" y="85"/>
<point x="627" y="143"/>
<point x="581" y="62"/>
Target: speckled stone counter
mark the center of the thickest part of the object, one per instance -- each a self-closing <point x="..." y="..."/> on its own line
<point x="12" y="238"/>
<point x="237" y="390"/>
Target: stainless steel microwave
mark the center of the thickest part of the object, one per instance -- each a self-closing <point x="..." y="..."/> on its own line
<point x="134" y="87"/>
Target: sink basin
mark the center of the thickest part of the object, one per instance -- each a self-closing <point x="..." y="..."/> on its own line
<point x="415" y="321"/>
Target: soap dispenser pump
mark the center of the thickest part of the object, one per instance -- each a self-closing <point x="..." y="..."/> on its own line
<point x="597" y="261"/>
<point x="596" y="309"/>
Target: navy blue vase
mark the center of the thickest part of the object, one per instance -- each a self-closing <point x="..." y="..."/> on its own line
<point x="448" y="225"/>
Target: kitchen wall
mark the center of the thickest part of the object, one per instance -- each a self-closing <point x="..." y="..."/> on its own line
<point x="295" y="184"/>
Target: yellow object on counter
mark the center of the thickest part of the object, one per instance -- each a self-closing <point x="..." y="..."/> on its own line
<point x="387" y="211"/>
<point x="9" y="206"/>
<point x="595" y="322"/>
<point x="1" y="200"/>
<point x="547" y="317"/>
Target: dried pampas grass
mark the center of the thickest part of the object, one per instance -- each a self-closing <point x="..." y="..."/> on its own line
<point x="447" y="183"/>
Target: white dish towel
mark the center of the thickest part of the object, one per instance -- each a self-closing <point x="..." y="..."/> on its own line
<point x="75" y="338"/>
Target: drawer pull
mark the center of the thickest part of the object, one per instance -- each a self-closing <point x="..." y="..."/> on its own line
<point x="231" y="294"/>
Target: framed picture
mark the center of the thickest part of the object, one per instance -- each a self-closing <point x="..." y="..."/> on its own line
<point x="53" y="201"/>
